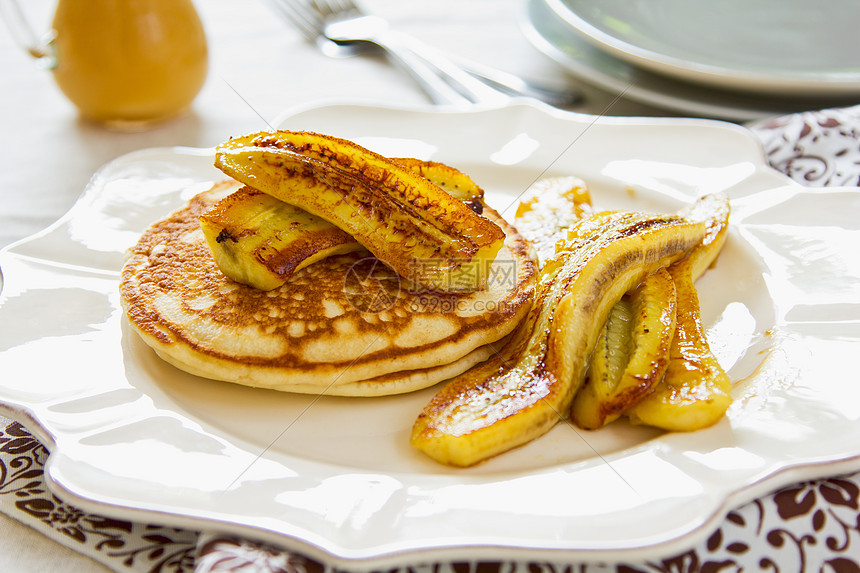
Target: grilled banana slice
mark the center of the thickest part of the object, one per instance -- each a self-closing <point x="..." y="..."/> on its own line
<point x="714" y="211"/>
<point x="453" y="181"/>
<point x="407" y="222"/>
<point x="548" y="209"/>
<point x="261" y="241"/>
<point x="632" y="353"/>
<point x="524" y="390"/>
<point x="695" y="391"/>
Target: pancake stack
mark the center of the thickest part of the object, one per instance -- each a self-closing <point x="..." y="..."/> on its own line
<point x="346" y="325"/>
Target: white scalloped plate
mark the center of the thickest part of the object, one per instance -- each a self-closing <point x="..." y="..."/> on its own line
<point x="335" y="478"/>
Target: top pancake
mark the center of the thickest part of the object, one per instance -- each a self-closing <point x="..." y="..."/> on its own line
<point x="340" y="322"/>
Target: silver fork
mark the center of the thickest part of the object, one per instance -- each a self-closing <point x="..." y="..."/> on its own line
<point x="340" y="28"/>
<point x="310" y="20"/>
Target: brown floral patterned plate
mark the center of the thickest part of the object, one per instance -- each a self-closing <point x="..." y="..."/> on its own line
<point x="335" y="478"/>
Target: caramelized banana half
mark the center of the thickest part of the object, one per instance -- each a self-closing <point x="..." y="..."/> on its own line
<point x="261" y="241"/>
<point x="406" y="221"/>
<point x="524" y="390"/>
<point x="453" y="181"/>
<point x="548" y="209"/>
<point x="632" y="353"/>
<point x="695" y="391"/>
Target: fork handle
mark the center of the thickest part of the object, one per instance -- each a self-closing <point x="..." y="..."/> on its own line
<point x="466" y="86"/>
<point x="514" y="85"/>
<point x="427" y="76"/>
<point x="476" y="83"/>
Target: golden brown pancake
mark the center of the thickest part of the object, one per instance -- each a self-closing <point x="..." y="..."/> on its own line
<point x="346" y="325"/>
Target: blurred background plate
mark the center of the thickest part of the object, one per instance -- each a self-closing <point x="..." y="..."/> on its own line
<point x="555" y="37"/>
<point x="781" y="47"/>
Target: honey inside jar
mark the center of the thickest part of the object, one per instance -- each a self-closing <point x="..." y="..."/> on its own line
<point x="128" y="63"/>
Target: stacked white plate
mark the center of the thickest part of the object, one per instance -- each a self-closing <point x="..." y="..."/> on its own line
<point x="733" y="59"/>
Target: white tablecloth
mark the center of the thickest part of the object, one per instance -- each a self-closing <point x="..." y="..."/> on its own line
<point x="259" y="68"/>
